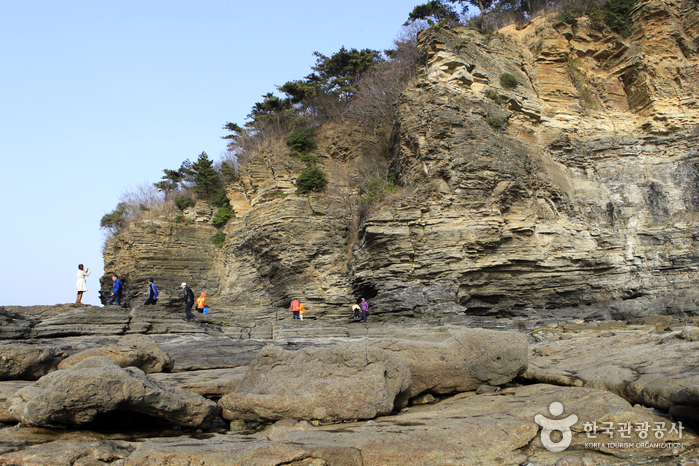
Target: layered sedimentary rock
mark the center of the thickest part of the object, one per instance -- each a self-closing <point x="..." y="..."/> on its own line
<point x="575" y="193"/>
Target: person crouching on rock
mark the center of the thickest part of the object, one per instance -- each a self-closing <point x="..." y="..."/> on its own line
<point x="355" y="308"/>
<point x="188" y="303"/>
<point x="200" y="303"/>
<point x="152" y="293"/>
<point x="295" y="308"/>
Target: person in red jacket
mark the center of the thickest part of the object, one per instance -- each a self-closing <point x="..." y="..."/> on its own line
<point x="295" y="308"/>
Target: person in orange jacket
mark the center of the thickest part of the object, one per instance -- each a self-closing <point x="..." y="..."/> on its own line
<point x="302" y="310"/>
<point x="295" y="306"/>
<point x="200" y="303"/>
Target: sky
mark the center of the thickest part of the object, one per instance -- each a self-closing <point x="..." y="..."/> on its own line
<point x="98" y="97"/>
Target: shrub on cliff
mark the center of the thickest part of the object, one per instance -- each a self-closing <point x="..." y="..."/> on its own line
<point x="508" y="81"/>
<point x="219" y="239"/>
<point x="182" y="202"/>
<point x="300" y="140"/>
<point x="116" y="219"/>
<point x="223" y="214"/>
<point x="617" y="15"/>
<point x="312" y="178"/>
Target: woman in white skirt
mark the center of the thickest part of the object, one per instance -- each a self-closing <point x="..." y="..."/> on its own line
<point x="82" y="284"/>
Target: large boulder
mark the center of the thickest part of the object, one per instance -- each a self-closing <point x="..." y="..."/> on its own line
<point x="346" y="381"/>
<point x="24" y="362"/>
<point x="458" y="359"/>
<point x="97" y="385"/>
<point x="132" y="350"/>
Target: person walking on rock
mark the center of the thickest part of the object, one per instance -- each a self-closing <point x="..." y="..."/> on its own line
<point x="365" y="308"/>
<point x="117" y="286"/>
<point x="302" y="311"/>
<point x="295" y="308"/>
<point x="81" y="286"/>
<point x="152" y="293"/>
<point x="188" y="303"/>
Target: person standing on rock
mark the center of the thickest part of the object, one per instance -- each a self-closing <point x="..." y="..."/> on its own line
<point x="355" y="309"/>
<point x="200" y="303"/>
<point x="117" y="286"/>
<point x="152" y="293"/>
<point x="188" y="303"/>
<point x="295" y="308"/>
<point x="302" y="311"/>
<point x="81" y="286"/>
<point x="365" y="308"/>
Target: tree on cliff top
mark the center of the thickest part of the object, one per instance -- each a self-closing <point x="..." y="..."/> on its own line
<point x="207" y="181"/>
<point x="433" y="12"/>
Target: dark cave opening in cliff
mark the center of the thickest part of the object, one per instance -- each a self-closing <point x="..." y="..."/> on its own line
<point x="365" y="290"/>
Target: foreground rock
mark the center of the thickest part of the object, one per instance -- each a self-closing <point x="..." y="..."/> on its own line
<point x="97" y="385"/>
<point x="467" y="429"/>
<point x="8" y="390"/>
<point x="649" y="368"/>
<point x="132" y="350"/>
<point x="211" y="383"/>
<point x="24" y="362"/>
<point x="69" y="452"/>
<point x="346" y="381"/>
<point x="457" y="359"/>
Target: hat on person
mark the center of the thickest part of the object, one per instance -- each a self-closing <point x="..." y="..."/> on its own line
<point x="183" y="285"/>
<point x="150" y="279"/>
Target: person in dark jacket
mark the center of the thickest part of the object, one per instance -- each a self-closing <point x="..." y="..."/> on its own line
<point x="188" y="303"/>
<point x="152" y="293"/>
<point x="116" y="291"/>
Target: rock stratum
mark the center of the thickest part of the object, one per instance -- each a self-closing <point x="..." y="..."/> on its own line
<point x="584" y="203"/>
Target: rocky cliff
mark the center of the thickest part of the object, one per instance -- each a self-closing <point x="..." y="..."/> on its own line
<point x="576" y="192"/>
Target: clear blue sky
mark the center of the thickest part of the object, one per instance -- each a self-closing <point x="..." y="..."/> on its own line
<point x="100" y="96"/>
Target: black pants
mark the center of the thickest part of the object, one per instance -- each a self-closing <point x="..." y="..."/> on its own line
<point x="150" y="301"/>
<point x="188" y="312"/>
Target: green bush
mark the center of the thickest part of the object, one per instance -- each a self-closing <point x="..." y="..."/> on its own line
<point x="312" y="178"/>
<point x="115" y="220"/>
<point x="223" y="214"/>
<point x="508" y="81"/>
<point x="219" y="239"/>
<point x="375" y="189"/>
<point x="494" y="122"/>
<point x="493" y="95"/>
<point x="301" y="141"/>
<point x="617" y="15"/>
<point x="182" y="202"/>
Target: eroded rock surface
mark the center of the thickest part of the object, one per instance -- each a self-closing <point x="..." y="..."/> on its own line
<point x="453" y="359"/>
<point x="28" y="362"/>
<point x="467" y="429"/>
<point x="97" y="385"/>
<point x="341" y="382"/>
<point x="132" y="350"/>
<point x="646" y="367"/>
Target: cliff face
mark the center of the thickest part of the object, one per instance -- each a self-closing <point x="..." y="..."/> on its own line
<point x="584" y="202"/>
